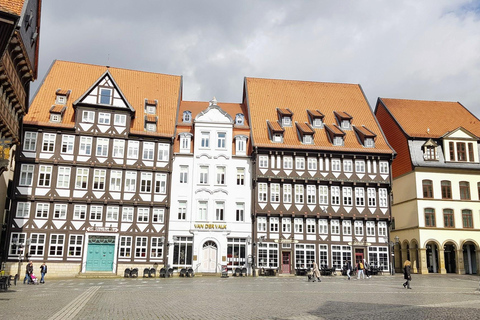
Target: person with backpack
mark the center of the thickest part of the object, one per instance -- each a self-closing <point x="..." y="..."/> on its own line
<point x="361" y="269"/>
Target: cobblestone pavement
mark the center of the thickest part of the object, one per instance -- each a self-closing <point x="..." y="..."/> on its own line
<point x="381" y="297"/>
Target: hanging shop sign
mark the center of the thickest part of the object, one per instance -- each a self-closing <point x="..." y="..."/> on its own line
<point x="359" y="243"/>
<point x="286" y="241"/>
<point x="102" y="229"/>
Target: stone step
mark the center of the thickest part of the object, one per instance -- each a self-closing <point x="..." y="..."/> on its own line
<point x="93" y="275"/>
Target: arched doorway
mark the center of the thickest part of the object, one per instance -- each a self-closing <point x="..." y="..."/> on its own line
<point x="414" y="256"/>
<point x="449" y="255"/>
<point x="432" y="257"/>
<point x="469" y="257"/>
<point x="209" y="254"/>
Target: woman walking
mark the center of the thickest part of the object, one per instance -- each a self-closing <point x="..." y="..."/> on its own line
<point x="316" y="273"/>
<point x="407" y="274"/>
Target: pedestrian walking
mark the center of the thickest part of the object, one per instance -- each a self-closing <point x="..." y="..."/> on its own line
<point x="28" y="273"/>
<point x="360" y="268"/>
<point x="316" y="273"/>
<point x="407" y="274"/>
<point x="43" y="271"/>
<point x="366" y="270"/>
<point x="348" y="268"/>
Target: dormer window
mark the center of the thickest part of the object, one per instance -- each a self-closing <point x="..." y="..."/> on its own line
<point x="430" y="151"/>
<point x="62" y="96"/>
<point x="150" y="123"/>
<point x="105" y="96"/>
<point x="150" y="106"/>
<point x="344" y="120"/>
<point x="308" y="139"/>
<point x="61" y="100"/>
<point x="365" y="136"/>
<point x="185" y="141"/>
<point x="277" y="137"/>
<point x="241" y="145"/>
<point x="316" y="118"/>
<point x="305" y="132"/>
<point x="56" y="113"/>
<point x="345" y="124"/>
<point x="338" y="141"/>
<point x="187" y="116"/>
<point x="369" y="143"/>
<point x="285" y="117"/>
<point x="239" y="119"/>
<point x="287" y="121"/>
<point x="55" y="117"/>
<point x="335" y="134"/>
<point x="275" y="131"/>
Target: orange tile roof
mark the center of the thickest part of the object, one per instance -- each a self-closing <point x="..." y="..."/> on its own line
<point x="151" y="102"/>
<point x="285" y="112"/>
<point x="431" y="119"/>
<point x="315" y="113"/>
<point x="342" y="115"/>
<point x="335" y="130"/>
<point x="305" y="128"/>
<point x="12" y="6"/>
<point x="364" y="130"/>
<point x="135" y="85"/>
<point x="151" y="118"/>
<point x="275" y="126"/>
<point x="57" y="108"/>
<point x="266" y="95"/>
<point x="62" y="92"/>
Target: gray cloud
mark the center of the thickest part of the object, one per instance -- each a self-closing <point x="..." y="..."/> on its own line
<point x="401" y="49"/>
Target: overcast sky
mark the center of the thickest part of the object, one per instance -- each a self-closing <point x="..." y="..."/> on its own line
<point x="428" y="50"/>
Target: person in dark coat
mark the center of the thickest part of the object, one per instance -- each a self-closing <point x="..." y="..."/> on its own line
<point x="407" y="274"/>
<point x="28" y="273"/>
<point x="348" y="268"/>
<point x="43" y="271"/>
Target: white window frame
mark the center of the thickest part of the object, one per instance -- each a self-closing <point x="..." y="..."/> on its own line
<point x="104" y="118"/>
<point x="221" y="140"/>
<point x="311" y="194"/>
<point x="287" y="193"/>
<point x="382" y="197"/>
<point x="372" y="197"/>
<point x="42" y="210"/>
<point x="370" y="226"/>
<point x="146" y="181"/>
<point x="335" y="195"/>
<point x="335" y="227"/>
<point x="263" y="161"/>
<point x="85" y="148"/>
<point x="148" y="151"/>
<point x="60" y="211"/>
<point x="99" y="179"/>
<point x="125" y="247"/>
<point x="156" y="247"/>
<point x="68" y="144"/>
<point x="163" y="152"/>
<point x="299" y="193"/>
<point x="202" y="210"/>
<point x="358" y="228"/>
<point x="79" y="212"/>
<point x="26" y="175"/>
<point x="347" y="227"/>
<point x="347" y="196"/>
<point x="312" y="164"/>
<point x="359" y="197"/>
<point x="130" y="181"/>
<point x="133" y="149"/>
<point x="298" y="225"/>
<point x="44" y="175"/>
<point x="323" y="195"/>
<point x="112" y="213"/>
<point x="310" y="226"/>
<point x="127" y="214"/>
<point x="203" y="176"/>
<point x="299" y="163"/>
<point x="262" y="192"/>
<point x="219" y="210"/>
<point x="158" y="215"/>
<point x="96" y="213"/>
<point x="57" y="243"/>
<point x="120" y="120"/>
<point x="23" y="210"/>
<point x="182" y="210"/>
<point x="30" y="141"/>
<point x="88" y="116"/>
<point x="221" y="175"/>
<point x="184" y="174"/>
<point x="383" y="167"/>
<point x="347" y="165"/>
<point x="118" y="148"/>
<point x="240" y="212"/>
<point x="261" y="224"/>
<point x="141" y="244"/>
<point x="75" y="245"/>
<point x="336" y="165"/>
<point x="288" y="163"/>
<point x="116" y="180"/>
<point x="161" y="183"/>
<point x="274" y="224"/>
<point x="81" y="178"/>
<point x="275" y="192"/>
<point x="286" y="225"/>
<point x="143" y="215"/>
<point x="359" y="166"/>
<point x="48" y="143"/>
<point x="205" y="140"/>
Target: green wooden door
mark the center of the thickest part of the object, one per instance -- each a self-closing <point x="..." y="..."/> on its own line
<point x="100" y="256"/>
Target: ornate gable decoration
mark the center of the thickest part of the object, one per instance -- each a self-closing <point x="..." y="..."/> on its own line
<point x="460" y="133"/>
<point x="105" y="92"/>
<point x="214" y="114"/>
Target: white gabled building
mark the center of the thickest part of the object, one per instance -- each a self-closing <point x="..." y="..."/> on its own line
<point x="210" y="222"/>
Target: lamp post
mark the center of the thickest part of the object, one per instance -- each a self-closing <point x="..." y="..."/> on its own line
<point x="20" y="248"/>
<point x="392" y="259"/>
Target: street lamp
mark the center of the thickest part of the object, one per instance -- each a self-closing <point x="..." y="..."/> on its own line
<point x="20" y="248"/>
<point x="392" y="259"/>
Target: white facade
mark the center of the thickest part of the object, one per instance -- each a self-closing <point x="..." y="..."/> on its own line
<point x="210" y="221"/>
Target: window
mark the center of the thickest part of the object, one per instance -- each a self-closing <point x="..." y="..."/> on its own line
<point x="130" y="181"/>
<point x="308" y="139"/>
<point x="359" y="166"/>
<point x="317" y="123"/>
<point x="335" y="226"/>
<point x="448" y="218"/>
<point x="163" y="151"/>
<point x="277" y="137"/>
<point x="120" y="120"/>
<point x="85" y="146"/>
<point x="79" y="212"/>
<point x="81" y="180"/>
<point x="464" y="190"/>
<point x="287" y="193"/>
<point x="347" y="166"/>
<point x="49" y="142"/>
<point x="96" y="213"/>
<point x="383" y="167"/>
<point x="205" y="140"/>
<point x="60" y="211"/>
<point x="99" y="177"/>
<point x="183" y="174"/>
<point x="323" y="195"/>
<point x="371" y="197"/>
<point x="239" y="119"/>
<point x="347" y="196"/>
<point x="42" y="210"/>
<point x="30" y="141"/>
<point x="112" y="213"/>
<point x="274" y="224"/>
<point x="56" y="244"/>
<point x="358" y="228"/>
<point x="345" y="124"/>
<point x="267" y="255"/>
<point x="383" y="197"/>
<point x="323" y="226"/>
<point x="340" y="254"/>
<point x="263" y="161"/>
<point x="104" y="118"/>
<point x="323" y="255"/>
<point x="382" y="229"/>
<point x="133" y="147"/>
<point x="338" y="141"/>
<point x="146" y="181"/>
<point x="335" y="193"/>
<point x="467" y="218"/>
<point x="286" y="121"/>
<point x="44" y="176"/>
<point x="429" y="217"/>
<point x="75" y="244"/>
<point x="262" y="224"/>
<point x="370" y="228"/>
<point x="221" y="136"/>
<point x="219" y="211"/>
<point x="185" y="143"/>
<point x="369" y="143"/>
<point x="158" y="215"/>
<point x="143" y="214"/>
<point x="304" y="255"/>
<point x="427" y="186"/>
<point x="299" y="193"/>
<point x="125" y="247"/>
<point x="202" y="210"/>
<point x="37" y="244"/>
<point x="236" y="252"/>
<point x="68" y="142"/>
<point x="151" y="126"/>
<point x="298" y="225"/>
<point x="105" y="96"/>
<point x="471" y="157"/>
<point x="127" y="214"/>
<point x="286" y="225"/>
<point x="240" y="212"/>
<point x="336" y="165"/>
<point x="17" y="243"/>
<point x="299" y="163"/>
<point x="157" y="247"/>
<point x="115" y="180"/>
<point x="287" y="163"/>
<point x="240" y="176"/>
<point x="347" y="227"/>
<point x="182" y="251"/>
<point x="150" y="109"/>
<point x="359" y="197"/>
<point x="312" y="164"/>
<point x="118" y="148"/>
<point x="240" y="143"/>
<point x="88" y="116"/>
<point x="262" y="192"/>
<point x="221" y="175"/>
<point x="311" y="194"/>
<point x="148" y="150"/>
<point x="187" y="116"/>
<point x="182" y="210"/>
<point x="446" y="189"/>
<point x="274" y="192"/>
<point x="311" y="226"/>
<point x="203" y="175"/>
<point x="26" y="174"/>
<point x="141" y="247"/>
<point x="461" y="151"/>
<point x="23" y="210"/>
<point x="430" y="153"/>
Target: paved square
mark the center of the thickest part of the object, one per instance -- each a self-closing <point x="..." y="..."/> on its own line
<point x="381" y="297"/>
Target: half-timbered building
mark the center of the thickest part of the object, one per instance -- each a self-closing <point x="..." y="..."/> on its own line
<point x="321" y="176"/>
<point x="93" y="174"/>
<point x="210" y="220"/>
